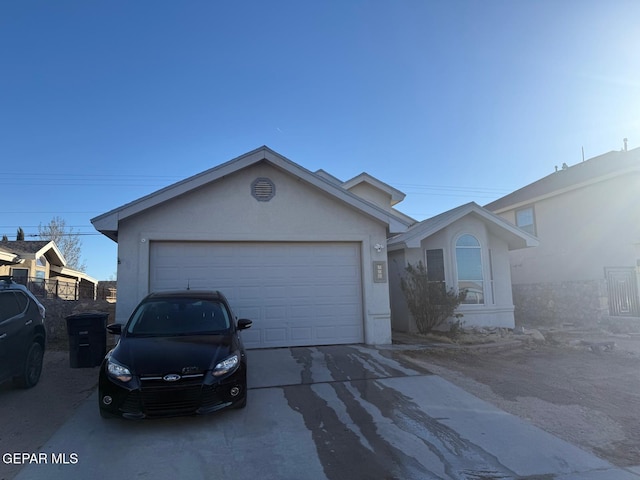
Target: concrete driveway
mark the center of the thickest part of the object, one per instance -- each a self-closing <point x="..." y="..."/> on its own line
<point x="338" y="412"/>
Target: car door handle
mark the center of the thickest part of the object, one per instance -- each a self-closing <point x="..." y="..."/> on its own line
<point x="29" y="322"/>
<point x="3" y="336"/>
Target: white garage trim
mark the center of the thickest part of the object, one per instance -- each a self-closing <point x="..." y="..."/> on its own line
<point x="297" y="293"/>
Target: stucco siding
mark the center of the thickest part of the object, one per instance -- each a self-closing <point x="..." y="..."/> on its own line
<point x="498" y="309"/>
<point x="372" y="194"/>
<point x="581" y="232"/>
<point x="226" y="211"/>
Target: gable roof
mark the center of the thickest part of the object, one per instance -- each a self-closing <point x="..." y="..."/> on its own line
<point x="107" y="223"/>
<point x="22" y="249"/>
<point x="327" y="176"/>
<point x="59" y="271"/>
<point x="590" y="171"/>
<point x="395" y="194"/>
<point x="515" y="237"/>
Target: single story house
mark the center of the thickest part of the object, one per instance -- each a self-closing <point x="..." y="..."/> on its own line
<point x="464" y="248"/>
<point x="587" y="217"/>
<point x="40" y="265"/>
<point x="300" y="253"/>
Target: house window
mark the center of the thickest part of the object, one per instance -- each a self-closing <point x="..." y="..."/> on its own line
<point x="435" y="267"/>
<point x="20" y="275"/>
<point x="38" y="283"/>
<point x="469" y="266"/>
<point x="41" y="261"/>
<point x="526" y="220"/>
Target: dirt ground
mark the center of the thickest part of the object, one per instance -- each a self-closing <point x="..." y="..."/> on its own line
<point x="589" y="398"/>
<point x="585" y="395"/>
<point x="30" y="417"/>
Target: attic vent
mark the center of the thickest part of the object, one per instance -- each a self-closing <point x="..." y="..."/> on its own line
<point x="263" y="189"/>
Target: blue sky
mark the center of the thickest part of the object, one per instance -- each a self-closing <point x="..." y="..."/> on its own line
<point x="102" y="102"/>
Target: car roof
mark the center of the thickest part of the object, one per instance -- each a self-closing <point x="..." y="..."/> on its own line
<point x="201" y="294"/>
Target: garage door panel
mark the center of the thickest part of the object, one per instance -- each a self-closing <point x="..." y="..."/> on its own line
<point x="251" y="337"/>
<point x="275" y="335"/>
<point x="326" y="333"/>
<point x="275" y="313"/>
<point x="295" y="293"/>
<point x="276" y="291"/>
<point x="247" y="312"/>
<point x="299" y="334"/>
<point x="249" y="292"/>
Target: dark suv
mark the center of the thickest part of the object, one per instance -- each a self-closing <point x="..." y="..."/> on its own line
<point x="22" y="334"/>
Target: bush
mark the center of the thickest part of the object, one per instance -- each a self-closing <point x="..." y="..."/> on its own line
<point x="429" y="302"/>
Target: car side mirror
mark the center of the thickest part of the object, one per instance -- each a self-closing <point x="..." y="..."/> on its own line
<point x="244" y="323"/>
<point x="115" y="328"/>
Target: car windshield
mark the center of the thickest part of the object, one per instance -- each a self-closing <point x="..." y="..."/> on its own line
<point x="179" y="316"/>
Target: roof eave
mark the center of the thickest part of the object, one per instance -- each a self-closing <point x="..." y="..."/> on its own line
<point x="514" y="236"/>
<point x="108" y="223"/>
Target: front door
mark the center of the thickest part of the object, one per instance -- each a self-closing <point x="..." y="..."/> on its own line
<point x="623" y="292"/>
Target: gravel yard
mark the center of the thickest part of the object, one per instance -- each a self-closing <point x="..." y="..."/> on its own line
<point x="569" y="386"/>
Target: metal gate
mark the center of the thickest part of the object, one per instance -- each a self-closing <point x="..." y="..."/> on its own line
<point x="623" y="292"/>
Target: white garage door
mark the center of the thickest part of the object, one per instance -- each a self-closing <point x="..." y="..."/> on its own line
<point x="295" y="293"/>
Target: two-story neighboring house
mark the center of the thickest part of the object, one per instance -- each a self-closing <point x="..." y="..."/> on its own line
<point x="587" y="266"/>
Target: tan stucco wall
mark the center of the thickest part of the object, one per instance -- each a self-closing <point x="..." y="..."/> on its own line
<point x="581" y="232"/>
<point x="226" y="211"/>
<point x="497" y="311"/>
<point x="28" y="264"/>
<point x="372" y="194"/>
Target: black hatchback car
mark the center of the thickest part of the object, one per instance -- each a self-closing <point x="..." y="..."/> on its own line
<point x="22" y="334"/>
<point x="180" y="353"/>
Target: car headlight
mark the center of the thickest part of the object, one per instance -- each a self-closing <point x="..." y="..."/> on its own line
<point x="118" y="371"/>
<point x="228" y="365"/>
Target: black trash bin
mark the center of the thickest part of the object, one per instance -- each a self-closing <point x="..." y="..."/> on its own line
<point x="87" y="339"/>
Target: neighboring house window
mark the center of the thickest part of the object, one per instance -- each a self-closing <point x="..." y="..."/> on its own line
<point x="525" y="220"/>
<point x="38" y="284"/>
<point x="469" y="266"/>
<point x="41" y="261"/>
<point x="20" y="275"/>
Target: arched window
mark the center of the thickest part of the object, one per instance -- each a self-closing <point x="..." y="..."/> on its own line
<point x="469" y="266"/>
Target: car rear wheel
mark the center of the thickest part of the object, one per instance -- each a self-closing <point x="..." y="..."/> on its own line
<point x="32" y="367"/>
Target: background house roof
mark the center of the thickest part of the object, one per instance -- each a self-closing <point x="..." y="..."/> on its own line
<point x="34" y="248"/>
<point x="515" y="237"/>
<point x="71" y="273"/>
<point x="107" y="223"/>
<point x="395" y="194"/>
<point x="595" y="169"/>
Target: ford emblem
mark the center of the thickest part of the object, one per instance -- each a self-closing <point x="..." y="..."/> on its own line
<point x="172" y="377"/>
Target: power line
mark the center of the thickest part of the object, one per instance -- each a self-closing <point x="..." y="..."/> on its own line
<point x="152" y="180"/>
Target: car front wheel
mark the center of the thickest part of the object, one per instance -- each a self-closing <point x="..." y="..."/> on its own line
<point x="32" y="367"/>
<point x="242" y="403"/>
